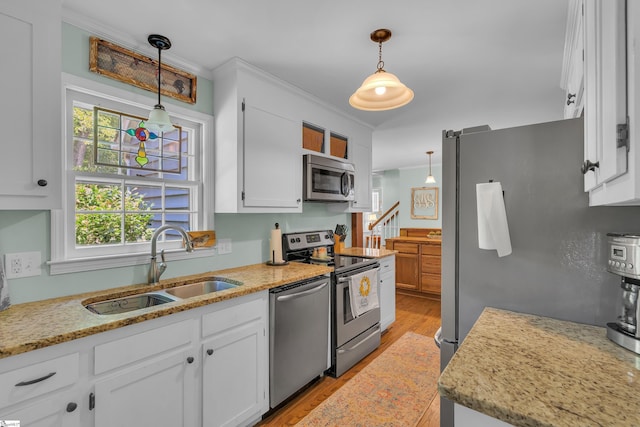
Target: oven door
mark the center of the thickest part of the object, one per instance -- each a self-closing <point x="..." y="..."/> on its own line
<point x="348" y="327"/>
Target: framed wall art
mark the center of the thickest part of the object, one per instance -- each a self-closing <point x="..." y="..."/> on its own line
<point x="424" y="203"/>
<point x="129" y="67"/>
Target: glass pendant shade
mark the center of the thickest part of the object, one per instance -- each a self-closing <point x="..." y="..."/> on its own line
<point x="159" y="120"/>
<point x="381" y="91"/>
<point x="430" y="178"/>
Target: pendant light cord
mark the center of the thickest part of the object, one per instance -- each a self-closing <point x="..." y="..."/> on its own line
<point x="380" y="61"/>
<point x="159" y="72"/>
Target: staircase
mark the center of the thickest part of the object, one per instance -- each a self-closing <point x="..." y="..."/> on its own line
<point x="385" y="227"/>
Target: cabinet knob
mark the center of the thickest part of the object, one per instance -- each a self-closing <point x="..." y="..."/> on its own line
<point x="42" y="182"/>
<point x="588" y="165"/>
<point x="71" y="406"/>
<point x="190" y="359"/>
<point x="210" y="352"/>
<point x="571" y="95"/>
<point x="299" y="200"/>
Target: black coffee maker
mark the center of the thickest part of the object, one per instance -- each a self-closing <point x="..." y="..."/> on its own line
<point x="624" y="261"/>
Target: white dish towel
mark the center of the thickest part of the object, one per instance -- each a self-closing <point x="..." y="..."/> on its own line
<point x="363" y="290"/>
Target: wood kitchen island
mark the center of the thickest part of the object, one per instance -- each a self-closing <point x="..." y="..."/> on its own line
<point x="418" y="261"/>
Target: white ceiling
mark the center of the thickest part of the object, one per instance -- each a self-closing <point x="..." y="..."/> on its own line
<point x="469" y="62"/>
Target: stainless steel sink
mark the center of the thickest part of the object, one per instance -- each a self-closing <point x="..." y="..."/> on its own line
<point x="200" y="288"/>
<point x="131" y="303"/>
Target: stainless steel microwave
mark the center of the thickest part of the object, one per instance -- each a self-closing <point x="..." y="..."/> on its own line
<point x="327" y="179"/>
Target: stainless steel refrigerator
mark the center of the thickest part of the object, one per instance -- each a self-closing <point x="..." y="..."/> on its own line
<point x="557" y="265"/>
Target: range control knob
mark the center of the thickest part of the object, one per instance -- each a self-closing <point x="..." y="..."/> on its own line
<point x="629" y="266"/>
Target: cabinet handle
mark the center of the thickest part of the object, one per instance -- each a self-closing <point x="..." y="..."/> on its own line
<point x="588" y="165"/>
<point x="42" y="182"/>
<point x="37" y="380"/>
<point x="71" y="406"/>
<point x="190" y="359"/>
<point x="209" y="352"/>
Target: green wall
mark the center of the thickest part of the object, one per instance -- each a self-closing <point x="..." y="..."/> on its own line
<point x="25" y="231"/>
<point x="396" y="186"/>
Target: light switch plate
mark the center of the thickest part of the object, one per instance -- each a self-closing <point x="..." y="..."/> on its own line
<point x="224" y="246"/>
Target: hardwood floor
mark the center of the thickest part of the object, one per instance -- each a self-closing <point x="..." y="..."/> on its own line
<point x="416" y="314"/>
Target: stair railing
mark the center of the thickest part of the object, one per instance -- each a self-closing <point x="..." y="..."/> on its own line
<point x="385" y="227"/>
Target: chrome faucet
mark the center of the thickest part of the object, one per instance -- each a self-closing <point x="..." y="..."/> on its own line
<point x="155" y="269"/>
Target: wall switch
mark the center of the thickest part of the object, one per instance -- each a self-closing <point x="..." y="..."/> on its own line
<point x="224" y="246"/>
<point x="22" y="264"/>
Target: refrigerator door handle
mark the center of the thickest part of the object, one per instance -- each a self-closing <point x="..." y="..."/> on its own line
<point x="437" y="338"/>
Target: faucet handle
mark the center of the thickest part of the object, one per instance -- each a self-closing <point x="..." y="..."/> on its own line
<point x="162" y="256"/>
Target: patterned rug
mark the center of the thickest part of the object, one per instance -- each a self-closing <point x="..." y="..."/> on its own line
<point x="393" y="390"/>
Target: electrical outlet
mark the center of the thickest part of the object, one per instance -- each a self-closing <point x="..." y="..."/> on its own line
<point x="224" y="246"/>
<point x="22" y="264"/>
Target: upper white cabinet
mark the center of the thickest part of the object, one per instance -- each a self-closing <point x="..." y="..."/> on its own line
<point x="573" y="62"/>
<point x="259" y="122"/>
<point x="611" y="100"/>
<point x="30" y="105"/>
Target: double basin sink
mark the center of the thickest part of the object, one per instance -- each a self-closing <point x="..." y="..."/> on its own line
<point x="151" y="299"/>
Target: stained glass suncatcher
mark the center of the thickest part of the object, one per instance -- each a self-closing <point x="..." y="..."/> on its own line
<point x="122" y="140"/>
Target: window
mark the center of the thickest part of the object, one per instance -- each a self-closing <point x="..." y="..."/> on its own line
<point x="123" y="182"/>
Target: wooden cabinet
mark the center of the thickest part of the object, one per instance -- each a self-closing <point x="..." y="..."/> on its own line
<point x="418" y="263"/>
<point x="387" y="291"/>
<point x="30" y="105"/>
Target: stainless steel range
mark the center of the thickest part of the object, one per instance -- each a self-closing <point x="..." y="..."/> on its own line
<point x="352" y="337"/>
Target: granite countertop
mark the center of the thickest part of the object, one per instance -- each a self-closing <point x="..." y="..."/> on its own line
<point x="366" y="252"/>
<point x="535" y="371"/>
<point x="33" y="325"/>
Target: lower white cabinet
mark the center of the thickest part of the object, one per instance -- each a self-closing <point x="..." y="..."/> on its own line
<point x="387" y="291"/>
<point x="207" y="366"/>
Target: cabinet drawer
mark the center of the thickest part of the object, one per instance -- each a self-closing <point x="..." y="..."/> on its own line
<point x="431" y="264"/>
<point x="387" y="265"/>
<point x="230" y="317"/>
<point x="433" y="249"/>
<point x="141" y="346"/>
<point x="430" y="283"/>
<point x="406" y="248"/>
<point x="37" y="379"/>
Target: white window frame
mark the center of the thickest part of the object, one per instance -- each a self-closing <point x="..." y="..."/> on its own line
<point x="64" y="257"/>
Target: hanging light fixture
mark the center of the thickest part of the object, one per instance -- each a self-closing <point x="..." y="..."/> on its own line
<point x="430" y="178"/>
<point x="158" y="117"/>
<point x="381" y="90"/>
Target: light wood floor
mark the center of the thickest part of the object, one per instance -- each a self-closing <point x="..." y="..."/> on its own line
<point x="419" y="315"/>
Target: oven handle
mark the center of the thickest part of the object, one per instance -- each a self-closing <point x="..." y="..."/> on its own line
<point x="348" y="278"/>
<point x="342" y="350"/>
<point x="303" y="293"/>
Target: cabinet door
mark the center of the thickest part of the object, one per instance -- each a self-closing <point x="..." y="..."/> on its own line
<point x="605" y="90"/>
<point x="30" y="105"/>
<point x="159" y="392"/>
<point x="51" y="411"/>
<point x="407" y="268"/>
<point x="272" y="160"/>
<point x="387" y="291"/>
<point x="233" y="387"/>
<point x="573" y="69"/>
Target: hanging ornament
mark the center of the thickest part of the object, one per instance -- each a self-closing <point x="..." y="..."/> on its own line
<point x="142" y="134"/>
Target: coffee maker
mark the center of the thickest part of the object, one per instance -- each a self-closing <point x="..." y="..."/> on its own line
<point x="624" y="260"/>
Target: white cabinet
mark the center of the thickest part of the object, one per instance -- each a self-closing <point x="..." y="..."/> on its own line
<point x="258" y="162"/>
<point x="41" y="393"/>
<point x="605" y="110"/>
<point x="235" y="364"/>
<point x="30" y="105"/>
<point x="150" y="378"/>
<point x="573" y="63"/>
<point x="361" y="157"/>
<point x="387" y="291"/>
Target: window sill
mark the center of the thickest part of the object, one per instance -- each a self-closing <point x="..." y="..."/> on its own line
<point x="114" y="261"/>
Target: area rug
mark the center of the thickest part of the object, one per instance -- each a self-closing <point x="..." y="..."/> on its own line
<point x="393" y="390"/>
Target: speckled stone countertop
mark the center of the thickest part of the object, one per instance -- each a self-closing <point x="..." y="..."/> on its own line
<point x="29" y="326"/>
<point x="535" y="371"/>
<point x="366" y="252"/>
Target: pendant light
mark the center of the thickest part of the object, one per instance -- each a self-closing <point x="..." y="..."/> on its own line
<point x="381" y="90"/>
<point x="158" y="117"/>
<point x="430" y="178"/>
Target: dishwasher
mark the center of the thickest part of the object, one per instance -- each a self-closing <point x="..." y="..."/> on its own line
<point x="299" y="336"/>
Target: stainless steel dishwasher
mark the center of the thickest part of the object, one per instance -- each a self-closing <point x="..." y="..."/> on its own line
<point x="299" y="336"/>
